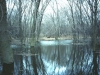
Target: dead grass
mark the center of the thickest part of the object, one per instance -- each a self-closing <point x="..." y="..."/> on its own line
<point x="60" y="38"/>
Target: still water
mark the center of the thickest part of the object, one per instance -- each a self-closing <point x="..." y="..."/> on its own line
<point x="61" y="57"/>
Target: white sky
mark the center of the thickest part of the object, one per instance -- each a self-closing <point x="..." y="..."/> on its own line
<point x="61" y="4"/>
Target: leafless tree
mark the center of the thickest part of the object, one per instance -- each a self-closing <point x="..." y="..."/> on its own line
<point x="5" y="40"/>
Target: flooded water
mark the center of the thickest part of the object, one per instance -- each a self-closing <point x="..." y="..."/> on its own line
<point x="57" y="58"/>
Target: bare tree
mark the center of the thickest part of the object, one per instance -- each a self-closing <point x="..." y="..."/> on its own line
<point x="94" y="8"/>
<point x="37" y="19"/>
<point x="5" y="41"/>
<point x="20" y="35"/>
<point x="71" y="4"/>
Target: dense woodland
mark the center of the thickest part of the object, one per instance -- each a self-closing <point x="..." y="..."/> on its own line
<point x="25" y="23"/>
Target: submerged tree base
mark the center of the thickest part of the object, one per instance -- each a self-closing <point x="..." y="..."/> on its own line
<point x="8" y="69"/>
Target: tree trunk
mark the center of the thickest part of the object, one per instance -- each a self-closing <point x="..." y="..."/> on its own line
<point x="21" y="36"/>
<point x="5" y="40"/>
<point x="37" y="19"/>
<point x="94" y="37"/>
<point x="35" y="15"/>
<point x="95" y="55"/>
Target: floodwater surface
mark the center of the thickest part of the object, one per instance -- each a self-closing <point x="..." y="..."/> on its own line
<point x="60" y="57"/>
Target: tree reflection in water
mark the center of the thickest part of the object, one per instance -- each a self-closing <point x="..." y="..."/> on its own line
<point x="60" y="58"/>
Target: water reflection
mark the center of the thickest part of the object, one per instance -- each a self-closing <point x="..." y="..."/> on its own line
<point x="73" y="58"/>
<point x="56" y="50"/>
<point x="60" y="58"/>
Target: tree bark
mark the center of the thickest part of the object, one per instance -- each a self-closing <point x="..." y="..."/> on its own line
<point x="93" y="7"/>
<point x="95" y="55"/>
<point x="5" y="41"/>
<point x="21" y="36"/>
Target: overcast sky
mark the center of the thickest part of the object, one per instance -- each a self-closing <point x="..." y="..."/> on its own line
<point x="61" y="4"/>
